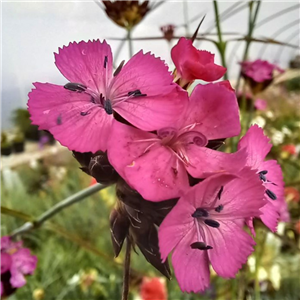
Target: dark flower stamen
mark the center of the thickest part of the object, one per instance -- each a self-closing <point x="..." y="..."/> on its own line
<point x="136" y="93"/>
<point x="271" y="195"/>
<point x="108" y="107"/>
<point x="119" y="68"/>
<point x="75" y="87"/>
<point x="212" y="223"/>
<point x="105" y="62"/>
<point x="58" y="120"/>
<point x="200" y="246"/>
<point x="199" y="213"/>
<point x="219" y="208"/>
<point x="220" y="192"/>
<point x="85" y="113"/>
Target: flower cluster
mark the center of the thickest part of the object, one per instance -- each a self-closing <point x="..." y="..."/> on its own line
<point x="16" y="262"/>
<point x="139" y="128"/>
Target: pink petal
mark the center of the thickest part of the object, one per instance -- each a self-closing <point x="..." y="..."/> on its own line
<point x="231" y="247"/>
<point x="214" y="108"/>
<point x="270" y="216"/>
<point x="194" y="64"/>
<point x="5" y="262"/>
<point x="151" y="169"/>
<point x="163" y="102"/>
<point x="24" y="261"/>
<point x="85" y="63"/>
<point x="157" y="175"/>
<point x="17" y="279"/>
<point x="275" y="176"/>
<point x="257" y="145"/>
<point x="175" y="226"/>
<point x="159" y="109"/>
<point x="191" y="266"/>
<point x="205" y="162"/>
<point x="59" y="111"/>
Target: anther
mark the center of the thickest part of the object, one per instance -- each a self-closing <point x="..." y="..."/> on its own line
<point x="105" y="62"/>
<point x="264" y="172"/>
<point x="108" y="107"/>
<point x="200" y="246"/>
<point x="136" y="93"/>
<point x="199" y="213"/>
<point x="219" y="208"/>
<point x="212" y="223"/>
<point x="119" y="68"/>
<point x="58" y="120"/>
<point x="85" y="113"/>
<point x="220" y="192"/>
<point x="271" y="195"/>
<point x="75" y="87"/>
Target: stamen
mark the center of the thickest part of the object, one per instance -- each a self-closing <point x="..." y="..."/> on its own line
<point x="58" y="120"/>
<point x="262" y="177"/>
<point x="105" y="62"/>
<point x="136" y="93"/>
<point x="271" y="195"/>
<point x="85" y="113"/>
<point x="220" y="192"/>
<point x="199" y="213"/>
<point x="212" y="223"/>
<point x="75" y="87"/>
<point x="264" y="172"/>
<point x="219" y="208"/>
<point x="200" y="246"/>
<point x="108" y="107"/>
<point x="119" y="68"/>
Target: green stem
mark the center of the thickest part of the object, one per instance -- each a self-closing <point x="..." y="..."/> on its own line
<point x="126" y="274"/>
<point x="129" y="39"/>
<point x="221" y="45"/>
<point x="251" y="26"/>
<point x="57" y="208"/>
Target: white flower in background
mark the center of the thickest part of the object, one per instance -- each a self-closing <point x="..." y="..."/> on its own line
<point x="260" y="121"/>
<point x="286" y="131"/>
<point x="269" y="114"/>
<point x="277" y="137"/>
<point x="275" y="276"/>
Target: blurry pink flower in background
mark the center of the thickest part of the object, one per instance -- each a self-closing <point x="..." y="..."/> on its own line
<point x="259" y="74"/>
<point x="15" y="263"/>
<point x="192" y="63"/>
<point x="85" y="107"/>
<point x="206" y="226"/>
<point x="260" y="104"/>
<point x="259" y="70"/>
<point x="270" y="174"/>
<point x="153" y="289"/>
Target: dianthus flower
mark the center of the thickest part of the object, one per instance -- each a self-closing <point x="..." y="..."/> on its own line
<point x="15" y="263"/>
<point x="206" y="226"/>
<point x="259" y="74"/>
<point x="156" y="164"/>
<point x="257" y="146"/>
<point x="194" y="64"/>
<point x="80" y="114"/>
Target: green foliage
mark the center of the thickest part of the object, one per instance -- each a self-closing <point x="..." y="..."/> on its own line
<point x="293" y="84"/>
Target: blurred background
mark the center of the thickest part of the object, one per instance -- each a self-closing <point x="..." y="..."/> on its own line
<point x="74" y="248"/>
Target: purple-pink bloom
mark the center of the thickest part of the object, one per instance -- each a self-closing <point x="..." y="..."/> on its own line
<point x="192" y="63"/>
<point x="206" y="226"/>
<point x="156" y="164"/>
<point x="17" y="261"/>
<point x="80" y="114"/>
<point x="259" y="70"/>
<point x="260" y="104"/>
<point x="257" y="146"/>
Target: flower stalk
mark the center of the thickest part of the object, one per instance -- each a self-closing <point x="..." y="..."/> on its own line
<point x="57" y="208"/>
<point x="126" y="274"/>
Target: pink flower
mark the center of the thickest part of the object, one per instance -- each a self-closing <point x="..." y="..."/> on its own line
<point x="260" y="104"/>
<point x="156" y="164"/>
<point x="259" y="70"/>
<point x="269" y="172"/>
<point x="80" y="114"/>
<point x="15" y="263"/>
<point x="206" y="226"/>
<point x="194" y="64"/>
